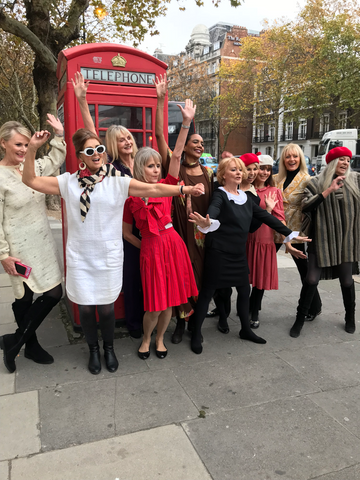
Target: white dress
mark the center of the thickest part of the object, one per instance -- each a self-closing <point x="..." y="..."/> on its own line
<point x="94" y="248"/>
<point x="24" y="228"/>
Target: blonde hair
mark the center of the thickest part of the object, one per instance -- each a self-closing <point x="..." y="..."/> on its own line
<point x="111" y="139"/>
<point x="142" y="157"/>
<point x="327" y="176"/>
<point x="9" y="129"/>
<point x="291" y="147"/>
<point x="224" y="165"/>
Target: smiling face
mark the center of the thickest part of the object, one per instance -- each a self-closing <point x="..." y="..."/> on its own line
<point x="264" y="173"/>
<point x="125" y="144"/>
<point x="292" y="160"/>
<point x="15" y="148"/>
<point x="95" y="161"/>
<point x="233" y="175"/>
<point x="342" y="165"/>
<point x="194" y="147"/>
<point x="152" y="170"/>
<point x="253" y="171"/>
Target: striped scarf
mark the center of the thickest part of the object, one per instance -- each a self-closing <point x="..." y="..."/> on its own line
<point x="88" y="183"/>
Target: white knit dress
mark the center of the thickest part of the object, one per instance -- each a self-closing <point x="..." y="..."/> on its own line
<point x="94" y="248"/>
<point x="24" y="228"/>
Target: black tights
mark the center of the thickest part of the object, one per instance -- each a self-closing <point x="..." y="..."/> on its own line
<point x="55" y="293"/>
<point x="106" y="322"/>
<point x="314" y="272"/>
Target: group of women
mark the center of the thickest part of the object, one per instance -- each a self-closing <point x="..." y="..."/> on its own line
<point x="177" y="253"/>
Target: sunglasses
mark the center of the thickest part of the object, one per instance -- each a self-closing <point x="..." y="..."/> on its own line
<point x="90" y="151"/>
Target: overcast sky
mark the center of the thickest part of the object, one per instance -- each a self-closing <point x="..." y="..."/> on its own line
<point x="175" y="29"/>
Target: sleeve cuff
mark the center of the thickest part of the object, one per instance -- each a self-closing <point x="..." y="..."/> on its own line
<point x="214" y="225"/>
<point x="291" y="236"/>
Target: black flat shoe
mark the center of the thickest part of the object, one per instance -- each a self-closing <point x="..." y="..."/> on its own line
<point x="223" y="328"/>
<point x="311" y="316"/>
<point x="144" y="355"/>
<point x="161" y="353"/>
<point x="212" y="313"/>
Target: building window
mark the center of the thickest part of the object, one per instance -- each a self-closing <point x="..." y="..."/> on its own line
<point x="260" y="132"/>
<point x="342" y="119"/>
<point x="206" y="50"/>
<point x="216" y="46"/>
<point x="271" y="132"/>
<point x="302" y="129"/>
<point x="268" y="151"/>
<point x="289" y="128"/>
<point x="324" y="124"/>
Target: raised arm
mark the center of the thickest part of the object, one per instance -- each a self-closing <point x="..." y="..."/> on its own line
<point x="161" y="85"/>
<point x="80" y="89"/>
<point x="50" y="163"/>
<point x="49" y="185"/>
<point x="141" y="189"/>
<point x="188" y="114"/>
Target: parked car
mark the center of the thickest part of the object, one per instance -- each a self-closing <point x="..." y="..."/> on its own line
<point x="355" y="163"/>
<point x="210" y="162"/>
<point x="310" y="167"/>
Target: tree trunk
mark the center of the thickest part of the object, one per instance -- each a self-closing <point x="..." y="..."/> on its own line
<point x="47" y="89"/>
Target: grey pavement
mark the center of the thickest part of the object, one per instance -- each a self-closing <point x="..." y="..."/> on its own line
<point x="285" y="410"/>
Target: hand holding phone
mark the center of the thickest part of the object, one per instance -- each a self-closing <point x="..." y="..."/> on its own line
<point x="22" y="270"/>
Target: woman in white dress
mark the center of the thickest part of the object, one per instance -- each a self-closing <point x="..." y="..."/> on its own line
<point x="94" y="197"/>
<point x="25" y="237"/>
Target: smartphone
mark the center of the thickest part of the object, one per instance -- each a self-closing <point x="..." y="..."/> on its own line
<point x="22" y="270"/>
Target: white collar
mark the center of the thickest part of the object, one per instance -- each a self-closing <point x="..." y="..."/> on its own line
<point x="238" y="199"/>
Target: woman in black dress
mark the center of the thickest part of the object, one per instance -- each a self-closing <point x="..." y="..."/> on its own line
<point x="227" y="226"/>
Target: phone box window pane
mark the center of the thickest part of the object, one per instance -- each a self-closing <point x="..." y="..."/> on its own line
<point x="138" y="136"/>
<point x="148" y="118"/>
<point x="128" y="117"/>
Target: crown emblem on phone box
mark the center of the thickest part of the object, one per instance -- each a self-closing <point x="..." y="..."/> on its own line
<point x="118" y="61"/>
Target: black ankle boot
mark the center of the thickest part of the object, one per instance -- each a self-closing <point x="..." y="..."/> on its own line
<point x="179" y="330"/>
<point x="348" y="294"/>
<point x="110" y="357"/>
<point x="94" y="359"/>
<point x="306" y="296"/>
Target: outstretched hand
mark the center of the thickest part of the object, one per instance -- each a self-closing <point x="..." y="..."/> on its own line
<point x="161" y="86"/>
<point x="55" y="124"/>
<point x="199" y="220"/>
<point x="270" y="201"/>
<point x="188" y="112"/>
<point x="80" y="86"/>
<point x="295" y="252"/>
<point x="38" y="139"/>
<point x="303" y="239"/>
<point x="196" y="190"/>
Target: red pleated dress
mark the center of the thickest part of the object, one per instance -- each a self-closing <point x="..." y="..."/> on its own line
<point x="260" y="247"/>
<point x="166" y="272"/>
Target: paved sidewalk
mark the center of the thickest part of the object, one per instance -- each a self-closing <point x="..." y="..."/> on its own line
<point x="285" y="410"/>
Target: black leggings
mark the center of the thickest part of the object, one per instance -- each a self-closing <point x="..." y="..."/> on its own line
<point x="106" y="322"/>
<point x="302" y="266"/>
<point x="55" y="293"/>
<point x="314" y="272"/>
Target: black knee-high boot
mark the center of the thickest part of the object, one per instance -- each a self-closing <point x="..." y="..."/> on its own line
<point x="348" y="294"/>
<point x="12" y="343"/>
<point x="306" y="296"/>
<point x="33" y="350"/>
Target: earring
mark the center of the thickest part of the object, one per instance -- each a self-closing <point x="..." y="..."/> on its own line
<point x="82" y="165"/>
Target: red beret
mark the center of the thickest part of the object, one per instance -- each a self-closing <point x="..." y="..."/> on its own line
<point x="338" y="152"/>
<point x="258" y="153"/>
<point x="249" y="158"/>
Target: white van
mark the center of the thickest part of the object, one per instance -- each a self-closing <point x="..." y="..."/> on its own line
<point x="336" y="138"/>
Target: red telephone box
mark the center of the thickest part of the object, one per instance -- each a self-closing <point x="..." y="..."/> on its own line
<point x="121" y="92"/>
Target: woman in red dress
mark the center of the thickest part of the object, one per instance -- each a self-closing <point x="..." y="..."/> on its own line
<point x="166" y="271"/>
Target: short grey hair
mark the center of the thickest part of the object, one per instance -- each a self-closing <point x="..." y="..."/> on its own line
<point x="142" y="157"/>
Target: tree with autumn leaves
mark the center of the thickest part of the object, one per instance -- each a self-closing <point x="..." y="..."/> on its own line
<point x="297" y="69"/>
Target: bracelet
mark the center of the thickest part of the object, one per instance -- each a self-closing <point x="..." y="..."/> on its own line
<point x="181" y="189"/>
<point x="59" y="134"/>
<point x="185" y="126"/>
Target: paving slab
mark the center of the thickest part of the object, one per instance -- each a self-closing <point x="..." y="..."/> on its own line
<point x="351" y="473"/>
<point x="343" y="405"/>
<point x="234" y="383"/>
<point x="293" y="439"/>
<point x="70" y="366"/>
<point x="76" y="414"/>
<point x="327" y="366"/>
<point x="160" y="453"/>
<point x="7" y="380"/>
<point x="150" y="400"/>
<point x="6" y="313"/>
<point x="4" y="470"/>
<point x="19" y="420"/>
